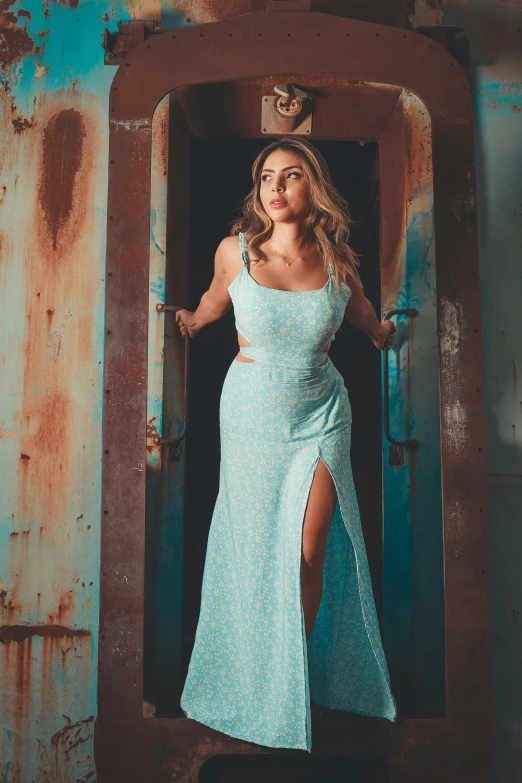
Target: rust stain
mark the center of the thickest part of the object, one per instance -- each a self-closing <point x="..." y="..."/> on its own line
<point x="63" y="3"/>
<point x="61" y="276"/>
<point x="152" y="432"/>
<point x="20" y="633"/>
<point x="15" y="41"/>
<point x="61" y="161"/>
<point x="22" y="123"/>
<point x="198" y="11"/>
<point x="65" y="612"/>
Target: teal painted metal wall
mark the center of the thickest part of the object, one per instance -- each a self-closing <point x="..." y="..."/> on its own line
<point x="53" y="185"/>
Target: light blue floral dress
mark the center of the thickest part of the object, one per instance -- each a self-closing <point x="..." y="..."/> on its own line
<point x="252" y="674"/>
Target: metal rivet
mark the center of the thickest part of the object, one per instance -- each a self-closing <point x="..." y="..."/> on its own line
<point x="201" y="35"/>
<point x="478" y="388"/>
<point x="476" y="330"/>
<point x="115" y="88"/>
<point x="230" y="35"/>
<point x="318" y="35"/>
<point x="105" y="512"/>
<point x="128" y="65"/>
<point x="464" y="87"/>
<point x="481" y="510"/>
<point x="113" y="161"/>
<point x="107" y="391"/>
<point x="109" y="331"/>
<point x="173" y="36"/>
<point x="148" y="46"/>
<point x="404" y="36"/>
<point x="106" y="451"/>
<point x="260" y="35"/>
<point x="479" y="449"/>
<point x="289" y="35"/>
<point x="109" y="274"/>
<point x="347" y="35"/>
<point x="451" y="65"/>
<point x="376" y="35"/>
<point x="111" y="217"/>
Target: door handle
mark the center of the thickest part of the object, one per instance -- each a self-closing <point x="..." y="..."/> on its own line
<point x="409" y="444"/>
<point x="176" y="442"/>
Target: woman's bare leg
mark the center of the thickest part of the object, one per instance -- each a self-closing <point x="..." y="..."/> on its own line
<point x="316" y="524"/>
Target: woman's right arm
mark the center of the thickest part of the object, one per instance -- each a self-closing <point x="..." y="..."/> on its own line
<point x="215" y="302"/>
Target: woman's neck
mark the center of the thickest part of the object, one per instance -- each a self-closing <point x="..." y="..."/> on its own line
<point x="289" y="235"/>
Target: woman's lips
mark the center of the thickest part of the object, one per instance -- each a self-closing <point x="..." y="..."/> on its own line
<point x="278" y="203"/>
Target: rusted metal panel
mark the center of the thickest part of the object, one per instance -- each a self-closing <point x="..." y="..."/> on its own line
<point x="240" y="49"/>
<point x="413" y="594"/>
<point x="233" y="108"/>
<point x="51" y="343"/>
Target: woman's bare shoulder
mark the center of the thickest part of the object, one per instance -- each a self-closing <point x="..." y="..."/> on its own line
<point x="229" y="246"/>
<point x="228" y="256"/>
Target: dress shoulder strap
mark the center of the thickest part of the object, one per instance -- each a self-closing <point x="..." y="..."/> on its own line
<point x="330" y="270"/>
<point x="243" y="248"/>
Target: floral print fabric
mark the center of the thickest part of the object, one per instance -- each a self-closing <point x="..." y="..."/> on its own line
<point x="252" y="674"/>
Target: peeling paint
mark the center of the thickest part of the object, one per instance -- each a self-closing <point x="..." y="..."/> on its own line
<point x="15" y="41"/>
<point x="133" y="125"/>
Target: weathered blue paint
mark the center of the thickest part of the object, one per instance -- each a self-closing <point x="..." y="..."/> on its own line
<point x="413" y="598"/>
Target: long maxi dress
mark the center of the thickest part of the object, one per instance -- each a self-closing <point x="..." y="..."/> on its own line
<point x="252" y="673"/>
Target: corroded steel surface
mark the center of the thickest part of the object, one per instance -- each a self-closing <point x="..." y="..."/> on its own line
<point x="51" y="342"/>
<point x="458" y="746"/>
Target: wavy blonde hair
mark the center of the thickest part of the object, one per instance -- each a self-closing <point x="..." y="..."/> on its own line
<point x="329" y="219"/>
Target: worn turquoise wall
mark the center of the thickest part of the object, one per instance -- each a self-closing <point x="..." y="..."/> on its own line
<point x="53" y="184"/>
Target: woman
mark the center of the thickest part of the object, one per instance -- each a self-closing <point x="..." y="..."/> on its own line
<point x="287" y="610"/>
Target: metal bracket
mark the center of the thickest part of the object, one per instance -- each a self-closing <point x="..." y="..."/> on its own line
<point x="290" y="113"/>
<point x="130" y="33"/>
<point x="450" y="37"/>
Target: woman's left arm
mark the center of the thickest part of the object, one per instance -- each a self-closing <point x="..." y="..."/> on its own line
<point x="360" y="312"/>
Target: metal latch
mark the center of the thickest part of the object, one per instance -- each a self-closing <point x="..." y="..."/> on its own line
<point x="290" y="112"/>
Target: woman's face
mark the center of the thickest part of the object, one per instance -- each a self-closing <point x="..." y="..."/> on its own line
<point x="283" y="189"/>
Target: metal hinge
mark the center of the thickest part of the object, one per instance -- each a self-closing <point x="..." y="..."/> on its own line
<point x="130" y="33"/>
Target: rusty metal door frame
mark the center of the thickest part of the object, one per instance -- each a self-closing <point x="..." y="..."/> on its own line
<point x="303" y="44"/>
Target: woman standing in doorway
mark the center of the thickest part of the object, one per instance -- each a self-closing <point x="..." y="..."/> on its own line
<point x="287" y="610"/>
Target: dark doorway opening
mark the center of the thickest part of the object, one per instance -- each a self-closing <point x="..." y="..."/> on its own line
<point x="291" y="769"/>
<point x="220" y="178"/>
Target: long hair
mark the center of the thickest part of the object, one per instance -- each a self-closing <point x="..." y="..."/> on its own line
<point x="329" y="219"/>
